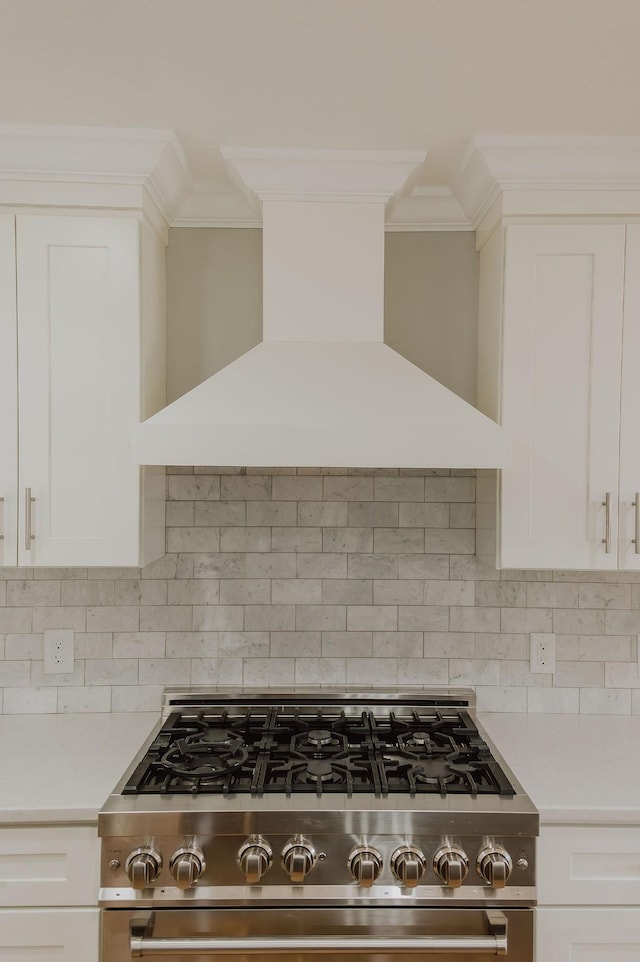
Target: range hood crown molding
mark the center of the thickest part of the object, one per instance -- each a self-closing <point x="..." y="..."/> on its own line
<point x="338" y="175"/>
<point x="322" y="389"/>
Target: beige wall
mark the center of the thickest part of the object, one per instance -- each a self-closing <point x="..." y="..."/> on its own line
<point x="214" y="307"/>
<point x="431" y="304"/>
<point x="214" y="302"/>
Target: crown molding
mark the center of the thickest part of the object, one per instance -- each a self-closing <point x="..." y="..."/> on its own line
<point x="210" y="204"/>
<point x="146" y="169"/>
<point x="350" y="175"/>
<point x="497" y="165"/>
<point x="108" y="158"/>
<point x="498" y="176"/>
<point x="424" y="209"/>
<point x="427" y="209"/>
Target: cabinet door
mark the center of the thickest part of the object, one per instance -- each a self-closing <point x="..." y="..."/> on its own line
<point x="562" y="343"/>
<point x="78" y="289"/>
<point x="589" y="865"/>
<point x="629" y="515"/>
<point x="49" y="865"/>
<point x="40" y="935"/>
<point x="8" y="394"/>
<point x="587" y="935"/>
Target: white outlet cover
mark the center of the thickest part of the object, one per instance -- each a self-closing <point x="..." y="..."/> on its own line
<point x="59" y="655"/>
<point x="536" y="641"/>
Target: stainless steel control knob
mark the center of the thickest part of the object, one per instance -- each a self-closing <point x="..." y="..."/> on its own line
<point x="143" y="866"/>
<point x="298" y="858"/>
<point x="365" y="864"/>
<point x="254" y="858"/>
<point x="494" y="865"/>
<point x="186" y="866"/>
<point x="408" y="864"/>
<point x="451" y="864"/>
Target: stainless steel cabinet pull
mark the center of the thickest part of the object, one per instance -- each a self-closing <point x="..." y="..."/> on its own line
<point x="636" y="505"/>
<point x="28" y="536"/>
<point x="607" y="523"/>
<point x="1" y="535"/>
<point x="493" y="944"/>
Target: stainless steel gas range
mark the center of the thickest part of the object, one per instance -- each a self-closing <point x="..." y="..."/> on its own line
<point x="318" y="824"/>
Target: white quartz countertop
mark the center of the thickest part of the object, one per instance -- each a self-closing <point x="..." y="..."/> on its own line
<point x="61" y="768"/>
<point x="576" y="768"/>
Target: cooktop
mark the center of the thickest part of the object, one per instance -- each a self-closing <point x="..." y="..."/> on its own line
<point x="285" y="750"/>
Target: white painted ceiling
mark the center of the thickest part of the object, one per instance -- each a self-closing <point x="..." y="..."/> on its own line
<point x="352" y="74"/>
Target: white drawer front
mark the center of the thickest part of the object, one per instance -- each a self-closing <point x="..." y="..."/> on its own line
<point x="591" y="865"/>
<point x="588" y="935"/>
<point x="54" y="935"/>
<point x="49" y="866"/>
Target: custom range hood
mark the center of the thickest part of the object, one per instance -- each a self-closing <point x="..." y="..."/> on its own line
<point x="322" y="389"/>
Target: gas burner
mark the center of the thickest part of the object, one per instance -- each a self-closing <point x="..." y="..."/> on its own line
<point x="317" y="730"/>
<point x="203" y="759"/>
<point x="445" y="772"/>
<point x="319" y="770"/>
<point x="344" y="772"/>
<point x="217" y="738"/>
<point x="420" y="738"/>
<point x="443" y="769"/>
<point x="319" y="736"/>
<point x="319" y="742"/>
<point x="215" y="741"/>
<point x="421" y="744"/>
<point x="433" y="771"/>
<point x="436" y="770"/>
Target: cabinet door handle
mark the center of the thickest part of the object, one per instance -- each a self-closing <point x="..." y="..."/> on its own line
<point x="607" y="523"/>
<point x="28" y="501"/>
<point x="636" y="505"/>
<point x="1" y="534"/>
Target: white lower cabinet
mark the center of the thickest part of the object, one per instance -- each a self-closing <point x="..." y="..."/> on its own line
<point x="588" y="935"/>
<point x="49" y="879"/>
<point x="588" y="894"/>
<point x="49" y="935"/>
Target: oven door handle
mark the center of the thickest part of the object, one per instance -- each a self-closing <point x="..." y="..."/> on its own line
<point x="495" y="943"/>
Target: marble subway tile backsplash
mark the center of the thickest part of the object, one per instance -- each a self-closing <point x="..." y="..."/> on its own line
<point x="277" y="577"/>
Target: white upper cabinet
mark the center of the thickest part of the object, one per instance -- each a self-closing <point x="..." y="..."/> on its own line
<point x="629" y="506"/>
<point x="8" y="394"/>
<point x="562" y="316"/>
<point x="74" y="344"/>
<point x="84" y="215"/>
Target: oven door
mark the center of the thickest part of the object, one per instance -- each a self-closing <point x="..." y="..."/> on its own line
<point x="317" y="935"/>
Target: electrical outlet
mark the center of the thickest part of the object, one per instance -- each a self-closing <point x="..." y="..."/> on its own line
<point x="58" y="651"/>
<point x="542" y="653"/>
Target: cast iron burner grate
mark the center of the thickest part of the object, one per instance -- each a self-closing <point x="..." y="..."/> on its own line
<point x="286" y="751"/>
